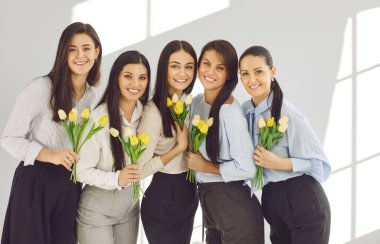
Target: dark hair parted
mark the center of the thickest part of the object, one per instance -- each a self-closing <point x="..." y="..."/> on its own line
<point x="112" y="96"/>
<point x="228" y="56"/>
<point x="60" y="75"/>
<point x="275" y="87"/>
<point x="161" y="91"/>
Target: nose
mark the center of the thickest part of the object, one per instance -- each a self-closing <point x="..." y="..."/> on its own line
<point x="135" y="81"/>
<point x="80" y="53"/>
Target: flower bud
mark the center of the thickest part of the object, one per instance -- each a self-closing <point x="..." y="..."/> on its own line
<point x="188" y="99"/>
<point x="85" y="113"/>
<point x="128" y="132"/>
<point x="282" y="128"/>
<point x="284" y="120"/>
<point x="62" y="115"/>
<point x="178" y="108"/>
<point x="114" y="132"/>
<point x="175" y="98"/>
<point x="196" y="120"/>
<point x="210" y="121"/>
<point x="73" y="115"/>
<point x="270" y="122"/>
<point x="169" y="102"/>
<point x="262" y="123"/>
<point x="103" y="121"/>
<point x="134" y="140"/>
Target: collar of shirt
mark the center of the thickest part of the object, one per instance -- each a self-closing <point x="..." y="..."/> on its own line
<point x="135" y="116"/>
<point x="259" y="109"/>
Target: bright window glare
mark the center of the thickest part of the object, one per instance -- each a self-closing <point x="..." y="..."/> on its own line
<point x="368" y="38"/>
<point x="368" y="199"/>
<point x="368" y="100"/>
<point x="119" y="23"/>
<point x="338" y="139"/>
<point x="345" y="65"/>
<point x="338" y="190"/>
<point x="163" y="18"/>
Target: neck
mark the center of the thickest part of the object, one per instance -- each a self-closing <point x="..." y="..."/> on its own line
<point x="210" y="95"/>
<point x="127" y="107"/>
<point x="79" y="87"/>
<point x="171" y="91"/>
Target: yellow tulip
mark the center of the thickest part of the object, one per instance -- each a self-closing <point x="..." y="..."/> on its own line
<point x="175" y="98"/>
<point x="169" y="102"/>
<point x="134" y="140"/>
<point x="204" y="128"/>
<point x="262" y="123"/>
<point x="210" y="121"/>
<point x="201" y="123"/>
<point x="196" y="120"/>
<point x="62" y="115"/>
<point x="103" y="121"/>
<point x="270" y="122"/>
<point x="85" y="113"/>
<point x="178" y="108"/>
<point x="282" y="128"/>
<point x="144" y="138"/>
<point x="284" y="120"/>
<point x="73" y="115"/>
<point x="114" y="132"/>
<point x="188" y="99"/>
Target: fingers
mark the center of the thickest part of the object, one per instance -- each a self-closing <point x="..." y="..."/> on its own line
<point x="74" y="156"/>
<point x="66" y="165"/>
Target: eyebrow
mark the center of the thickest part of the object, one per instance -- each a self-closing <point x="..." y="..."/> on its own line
<point x="85" y="45"/>
<point x="211" y="62"/>
<point x="180" y="63"/>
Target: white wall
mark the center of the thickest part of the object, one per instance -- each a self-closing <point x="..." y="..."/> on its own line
<point x="327" y="56"/>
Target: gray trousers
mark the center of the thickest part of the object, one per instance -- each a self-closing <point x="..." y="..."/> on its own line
<point x="107" y="216"/>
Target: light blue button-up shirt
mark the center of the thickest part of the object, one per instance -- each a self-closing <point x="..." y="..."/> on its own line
<point x="299" y="143"/>
<point x="236" y="148"/>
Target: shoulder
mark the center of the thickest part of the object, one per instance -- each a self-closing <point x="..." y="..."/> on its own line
<point x="295" y="115"/>
<point x="40" y="85"/>
<point x="231" y="111"/>
<point x="151" y="112"/>
<point x="247" y="105"/>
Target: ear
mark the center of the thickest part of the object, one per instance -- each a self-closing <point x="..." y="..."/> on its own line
<point x="97" y="51"/>
<point x="273" y="71"/>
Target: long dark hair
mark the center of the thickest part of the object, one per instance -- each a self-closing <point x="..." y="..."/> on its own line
<point x="60" y="75"/>
<point x="161" y="91"/>
<point x="275" y="87"/>
<point x="228" y="55"/>
<point x="112" y="96"/>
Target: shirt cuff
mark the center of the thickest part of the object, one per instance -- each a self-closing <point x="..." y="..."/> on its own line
<point x="33" y="151"/>
<point x="301" y="165"/>
<point x="116" y="181"/>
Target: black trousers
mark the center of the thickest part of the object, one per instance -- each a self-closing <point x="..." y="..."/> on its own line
<point x="231" y="216"/>
<point x="42" y="206"/>
<point x="297" y="211"/>
<point x="168" y="210"/>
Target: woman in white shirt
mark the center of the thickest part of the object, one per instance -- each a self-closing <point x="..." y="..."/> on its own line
<point x="224" y="162"/>
<point x="293" y="200"/>
<point x="43" y="200"/>
<point x="107" y="214"/>
<point x="168" y="210"/>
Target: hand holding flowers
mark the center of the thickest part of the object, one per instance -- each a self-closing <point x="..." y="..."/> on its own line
<point x="74" y="130"/>
<point x="134" y="146"/>
<point x="270" y="134"/>
<point x="198" y="133"/>
<point x="179" y="109"/>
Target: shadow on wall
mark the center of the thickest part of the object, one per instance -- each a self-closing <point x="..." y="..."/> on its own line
<point x="305" y="39"/>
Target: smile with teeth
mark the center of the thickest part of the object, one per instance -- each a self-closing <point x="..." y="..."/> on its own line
<point x="133" y="91"/>
<point x="209" y="79"/>
<point x="80" y="63"/>
<point x="181" y="81"/>
<point x="254" y="87"/>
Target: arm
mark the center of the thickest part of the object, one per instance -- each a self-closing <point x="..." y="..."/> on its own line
<point x="151" y="124"/>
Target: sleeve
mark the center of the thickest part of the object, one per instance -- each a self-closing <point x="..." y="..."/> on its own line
<point x="241" y="167"/>
<point x="151" y="124"/>
<point x="90" y="158"/>
<point x="305" y="150"/>
<point x="29" y="104"/>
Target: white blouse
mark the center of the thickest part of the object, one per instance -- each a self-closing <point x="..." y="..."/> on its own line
<point x="31" y="127"/>
<point x="95" y="166"/>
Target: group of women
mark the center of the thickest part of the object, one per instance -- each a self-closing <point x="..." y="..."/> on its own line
<point x="45" y="207"/>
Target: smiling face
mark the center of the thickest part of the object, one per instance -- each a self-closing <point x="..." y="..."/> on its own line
<point x="81" y="55"/>
<point x="133" y="80"/>
<point x="212" y="71"/>
<point x="256" y="77"/>
<point x="180" y="71"/>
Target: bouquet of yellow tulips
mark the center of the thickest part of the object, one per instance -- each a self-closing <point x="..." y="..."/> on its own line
<point x="134" y="146"/>
<point x="75" y="130"/>
<point x="179" y="109"/>
<point x="198" y="133"/>
<point x="270" y="134"/>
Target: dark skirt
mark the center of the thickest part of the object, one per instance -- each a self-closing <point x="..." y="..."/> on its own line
<point x="42" y="206"/>
<point x="168" y="210"/>
<point x="230" y="214"/>
<point x="297" y="211"/>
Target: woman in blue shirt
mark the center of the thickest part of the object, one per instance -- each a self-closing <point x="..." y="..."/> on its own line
<point x="293" y="200"/>
<point x="224" y="162"/>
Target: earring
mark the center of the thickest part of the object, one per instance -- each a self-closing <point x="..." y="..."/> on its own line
<point x="272" y="79"/>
